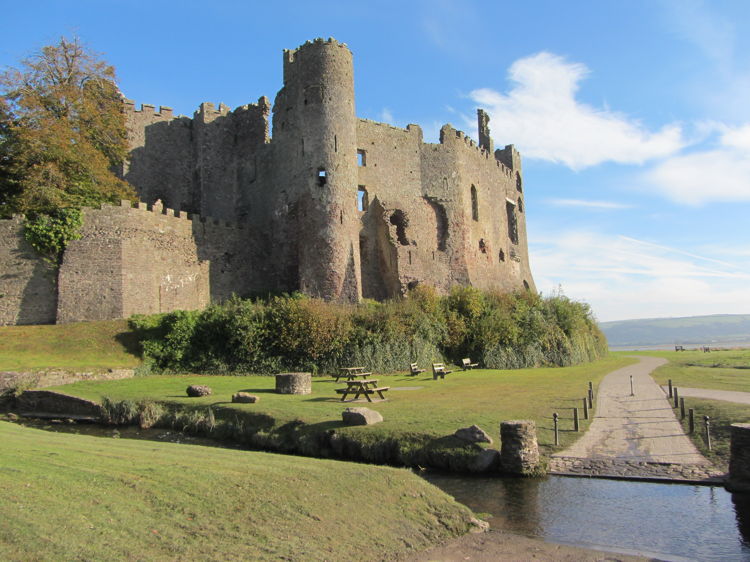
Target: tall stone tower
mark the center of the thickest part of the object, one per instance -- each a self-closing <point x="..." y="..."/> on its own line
<point x="315" y="134"/>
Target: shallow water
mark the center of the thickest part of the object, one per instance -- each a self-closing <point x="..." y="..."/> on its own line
<point x="666" y="521"/>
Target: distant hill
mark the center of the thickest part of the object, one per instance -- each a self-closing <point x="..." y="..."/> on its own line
<point x="718" y="329"/>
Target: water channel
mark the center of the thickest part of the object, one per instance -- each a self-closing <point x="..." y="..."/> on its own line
<point x="664" y="521"/>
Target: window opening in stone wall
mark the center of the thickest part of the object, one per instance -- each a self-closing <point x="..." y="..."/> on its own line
<point x="361" y="158"/>
<point x="520" y="205"/>
<point x="482" y="246"/>
<point x="526" y="285"/>
<point x="501" y="255"/>
<point x="510" y="208"/>
<point x="399" y="220"/>
<point x="409" y="257"/>
<point x="474" y="204"/>
<point x="335" y="143"/>
<point x="322" y="176"/>
<point x="341" y="216"/>
<point x="363" y="201"/>
<point x="441" y="218"/>
<point x="519" y="183"/>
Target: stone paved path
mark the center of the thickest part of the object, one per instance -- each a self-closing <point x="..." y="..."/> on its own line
<point x="634" y="436"/>
<point x="725" y="395"/>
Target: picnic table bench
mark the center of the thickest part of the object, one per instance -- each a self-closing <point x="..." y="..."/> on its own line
<point x="439" y="370"/>
<point x="467" y="364"/>
<point x="350" y="373"/>
<point x="415" y="370"/>
<point x="366" y="387"/>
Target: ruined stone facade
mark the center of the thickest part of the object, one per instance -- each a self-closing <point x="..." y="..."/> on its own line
<point x="331" y="205"/>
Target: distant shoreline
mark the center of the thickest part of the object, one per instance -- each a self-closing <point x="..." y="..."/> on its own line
<point x="687" y="346"/>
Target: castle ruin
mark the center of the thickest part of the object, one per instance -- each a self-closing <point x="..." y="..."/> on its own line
<point x="332" y="205"/>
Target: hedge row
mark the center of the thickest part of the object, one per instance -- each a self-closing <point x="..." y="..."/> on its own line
<point x="298" y="333"/>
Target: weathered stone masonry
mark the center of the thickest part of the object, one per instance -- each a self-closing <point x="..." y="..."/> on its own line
<point x="332" y="205"/>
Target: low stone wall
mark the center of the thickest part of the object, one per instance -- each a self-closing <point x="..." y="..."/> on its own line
<point x="57" y="377"/>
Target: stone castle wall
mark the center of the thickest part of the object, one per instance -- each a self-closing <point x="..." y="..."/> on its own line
<point x="27" y="282"/>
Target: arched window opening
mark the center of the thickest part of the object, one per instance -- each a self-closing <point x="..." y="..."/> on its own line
<point x="322" y="176"/>
<point x="474" y="204"/>
<point x="519" y="182"/>
<point x="501" y="255"/>
<point x="520" y="205"/>
<point x="526" y="285"/>
<point x="510" y="209"/>
<point x="363" y="201"/>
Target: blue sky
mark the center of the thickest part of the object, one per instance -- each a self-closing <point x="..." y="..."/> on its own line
<point x="633" y="118"/>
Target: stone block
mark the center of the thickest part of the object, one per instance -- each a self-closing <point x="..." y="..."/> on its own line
<point x="486" y="461"/>
<point x="361" y="416"/>
<point x="473" y="434"/>
<point x="197" y="390"/>
<point x="294" y="383"/>
<point x="519" y="452"/>
<point x="739" y="458"/>
<point x="244" y="398"/>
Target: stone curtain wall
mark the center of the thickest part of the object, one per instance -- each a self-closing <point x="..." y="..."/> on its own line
<point x="27" y="282"/>
<point x="149" y="260"/>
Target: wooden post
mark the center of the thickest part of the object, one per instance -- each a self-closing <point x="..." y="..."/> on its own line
<point x="557" y="437"/>
<point x="691" y="421"/>
<point x="676" y="397"/>
<point x="576" y="422"/>
<point x="682" y="408"/>
<point x="670" y="388"/>
<point x="632" y="393"/>
<point x="591" y="395"/>
<point x="707" y="423"/>
<point x="585" y="409"/>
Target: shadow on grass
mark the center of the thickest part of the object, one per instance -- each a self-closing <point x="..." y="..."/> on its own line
<point x="130" y="341"/>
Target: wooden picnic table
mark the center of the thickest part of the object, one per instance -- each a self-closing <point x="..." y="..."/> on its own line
<point x="366" y="387"/>
<point x="351" y="373"/>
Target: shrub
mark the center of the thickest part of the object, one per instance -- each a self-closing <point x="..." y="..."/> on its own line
<point x="299" y="333"/>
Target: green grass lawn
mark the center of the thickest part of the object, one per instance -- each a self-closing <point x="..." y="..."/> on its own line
<point x="73" y="497"/>
<point x="415" y="404"/>
<point x="77" y="346"/>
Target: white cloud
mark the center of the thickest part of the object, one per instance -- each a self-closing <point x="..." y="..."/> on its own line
<point x="721" y="174"/>
<point x="587" y="204"/>
<point x="386" y="115"/>
<point x="623" y="277"/>
<point x="543" y="118"/>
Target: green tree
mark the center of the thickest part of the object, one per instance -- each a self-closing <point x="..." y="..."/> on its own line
<point x="62" y="132"/>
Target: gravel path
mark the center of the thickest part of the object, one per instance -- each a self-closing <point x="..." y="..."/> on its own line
<point x="634" y="436"/>
<point x="726" y="395"/>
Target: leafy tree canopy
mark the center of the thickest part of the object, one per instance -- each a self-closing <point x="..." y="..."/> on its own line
<point x="62" y="132"/>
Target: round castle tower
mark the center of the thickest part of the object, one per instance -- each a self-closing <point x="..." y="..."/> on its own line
<point x="315" y="128"/>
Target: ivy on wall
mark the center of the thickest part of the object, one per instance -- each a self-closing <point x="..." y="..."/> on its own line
<point x="49" y="234"/>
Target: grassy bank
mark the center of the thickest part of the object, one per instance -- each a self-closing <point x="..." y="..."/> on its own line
<point x="420" y="413"/>
<point x="78" y="346"/>
<point x="83" y="498"/>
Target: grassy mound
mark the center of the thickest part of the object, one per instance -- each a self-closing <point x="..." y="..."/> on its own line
<point x="74" y="497"/>
<point x="79" y="346"/>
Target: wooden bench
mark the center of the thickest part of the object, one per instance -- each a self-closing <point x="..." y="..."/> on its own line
<point x="350" y="373"/>
<point x="467" y="364"/>
<point x="439" y="370"/>
<point x="415" y="370"/>
<point x="679" y="348"/>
